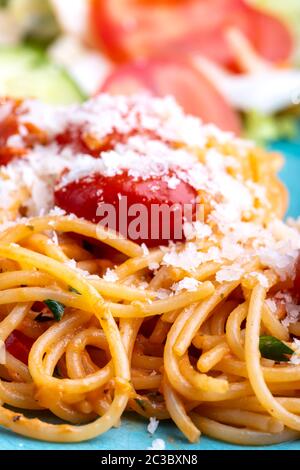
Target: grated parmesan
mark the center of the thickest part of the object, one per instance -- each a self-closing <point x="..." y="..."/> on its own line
<point x="157" y="444"/>
<point x="110" y="276"/>
<point x="188" y="283"/>
<point x="295" y="359"/>
<point x="153" y="425"/>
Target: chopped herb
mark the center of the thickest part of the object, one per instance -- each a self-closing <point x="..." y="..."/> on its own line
<point x="30" y="227"/>
<point x="274" y="349"/>
<point x="72" y="289"/>
<point x="140" y="403"/>
<point x="42" y="318"/>
<point x="222" y="296"/>
<point x="57" y="308"/>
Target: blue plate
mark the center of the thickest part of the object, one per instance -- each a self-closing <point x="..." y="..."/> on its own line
<point x="132" y="435"/>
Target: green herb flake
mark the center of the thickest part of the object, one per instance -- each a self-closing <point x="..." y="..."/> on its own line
<point x="140" y="403"/>
<point x="274" y="349"/>
<point x="72" y="289"/>
<point x="57" y="308"/>
<point x="30" y="227"/>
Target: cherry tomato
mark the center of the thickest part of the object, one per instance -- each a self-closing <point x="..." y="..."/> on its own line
<point x="130" y="29"/>
<point x="82" y="197"/>
<point x="270" y="36"/>
<point x="193" y="91"/>
<point x="19" y="346"/>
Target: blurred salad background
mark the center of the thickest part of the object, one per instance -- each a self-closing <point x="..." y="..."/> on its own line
<point x="235" y="63"/>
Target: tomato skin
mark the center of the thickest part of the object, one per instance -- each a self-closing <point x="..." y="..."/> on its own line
<point x="82" y="197"/>
<point x="19" y="345"/>
<point x="268" y="31"/>
<point x="130" y="29"/>
<point x="168" y="76"/>
<point x="10" y="127"/>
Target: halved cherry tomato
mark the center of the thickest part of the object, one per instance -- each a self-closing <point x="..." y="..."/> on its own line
<point x="131" y="29"/>
<point x="19" y="345"/>
<point x="82" y="197"/>
<point x="193" y="91"/>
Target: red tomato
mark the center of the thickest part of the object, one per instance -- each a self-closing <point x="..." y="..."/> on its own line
<point x="193" y="91"/>
<point x="134" y="28"/>
<point x="270" y="36"/>
<point x="82" y="197"/>
<point x="19" y="345"/>
<point x="10" y="127"/>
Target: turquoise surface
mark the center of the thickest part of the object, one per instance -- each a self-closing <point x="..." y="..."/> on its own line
<point x="132" y="435"/>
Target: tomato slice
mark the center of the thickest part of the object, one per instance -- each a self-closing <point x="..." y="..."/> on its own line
<point x="131" y="29"/>
<point x="193" y="91"/>
<point x="19" y="345"/>
<point x="123" y="192"/>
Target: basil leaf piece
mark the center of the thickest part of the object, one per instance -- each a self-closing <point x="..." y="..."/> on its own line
<point x="140" y="403"/>
<point x="56" y="308"/>
<point x="274" y="349"/>
<point x="72" y="289"/>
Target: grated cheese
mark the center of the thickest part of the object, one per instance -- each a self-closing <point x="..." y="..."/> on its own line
<point x="153" y="425"/>
<point x="295" y="359"/>
<point x="188" y="283"/>
<point x="110" y="276"/>
<point x="154" y="266"/>
<point x="229" y="273"/>
<point x="157" y="444"/>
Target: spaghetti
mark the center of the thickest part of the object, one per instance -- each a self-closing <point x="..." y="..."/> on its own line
<point x="94" y="324"/>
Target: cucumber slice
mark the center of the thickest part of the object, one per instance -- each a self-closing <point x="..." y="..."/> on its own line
<point x="26" y="72"/>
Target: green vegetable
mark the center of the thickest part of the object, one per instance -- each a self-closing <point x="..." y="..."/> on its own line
<point x="274" y="349"/>
<point x="265" y="128"/>
<point x="57" y="308"/>
<point x="140" y="403"/>
<point x="26" y="72"/>
<point x="35" y="19"/>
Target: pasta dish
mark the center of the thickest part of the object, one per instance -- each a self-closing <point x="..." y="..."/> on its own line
<point x="188" y="312"/>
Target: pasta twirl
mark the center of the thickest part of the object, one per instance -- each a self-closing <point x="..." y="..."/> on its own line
<point x="93" y="324"/>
